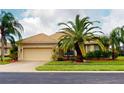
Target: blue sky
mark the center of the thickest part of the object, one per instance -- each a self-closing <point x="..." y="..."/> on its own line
<point x="16" y="12"/>
<point x="90" y="12"/>
<point x="45" y="21"/>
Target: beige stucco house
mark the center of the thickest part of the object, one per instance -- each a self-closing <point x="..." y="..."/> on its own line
<point x="40" y="47"/>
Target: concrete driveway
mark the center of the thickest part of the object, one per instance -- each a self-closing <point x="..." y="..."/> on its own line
<point x="20" y="67"/>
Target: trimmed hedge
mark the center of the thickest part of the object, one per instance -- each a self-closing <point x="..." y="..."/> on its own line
<point x="100" y="54"/>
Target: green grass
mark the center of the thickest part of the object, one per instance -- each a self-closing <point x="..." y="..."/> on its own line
<point x="120" y="58"/>
<point x="6" y="61"/>
<point x="89" y="63"/>
<point x="117" y="65"/>
<point x="6" y="58"/>
<point x="81" y="68"/>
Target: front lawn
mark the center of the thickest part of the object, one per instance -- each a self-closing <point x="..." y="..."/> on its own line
<point x="6" y="61"/>
<point x="117" y="65"/>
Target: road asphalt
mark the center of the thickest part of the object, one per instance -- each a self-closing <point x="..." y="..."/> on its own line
<point x="61" y="78"/>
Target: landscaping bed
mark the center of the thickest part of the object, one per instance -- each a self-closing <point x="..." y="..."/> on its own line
<point x="7" y="60"/>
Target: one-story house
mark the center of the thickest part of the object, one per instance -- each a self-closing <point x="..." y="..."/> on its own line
<point x="40" y="47"/>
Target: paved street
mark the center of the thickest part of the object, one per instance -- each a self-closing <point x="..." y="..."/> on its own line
<point x="61" y="78"/>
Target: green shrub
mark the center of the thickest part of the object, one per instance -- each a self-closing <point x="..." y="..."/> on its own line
<point x="90" y="55"/>
<point x="99" y="54"/>
<point x="106" y="54"/>
<point x="14" y="53"/>
<point x="57" y="55"/>
<point x="116" y="54"/>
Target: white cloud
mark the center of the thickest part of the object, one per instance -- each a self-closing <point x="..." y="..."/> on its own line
<point x="41" y="13"/>
<point x="45" y="21"/>
<point x="115" y="19"/>
<point x="33" y="26"/>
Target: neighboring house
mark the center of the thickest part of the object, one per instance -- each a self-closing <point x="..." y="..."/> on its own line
<point x="40" y="47"/>
<point x="6" y="49"/>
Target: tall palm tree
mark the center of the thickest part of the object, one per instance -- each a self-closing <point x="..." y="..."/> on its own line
<point x="77" y="33"/>
<point x="115" y="41"/>
<point x="121" y="34"/>
<point x="10" y="30"/>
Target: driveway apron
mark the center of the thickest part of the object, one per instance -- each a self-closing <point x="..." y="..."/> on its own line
<point x="20" y="67"/>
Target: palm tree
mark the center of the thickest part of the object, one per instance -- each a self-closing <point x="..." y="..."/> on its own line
<point x="121" y="34"/>
<point x="105" y="41"/>
<point x="10" y="30"/>
<point x="77" y="33"/>
<point x="115" y="41"/>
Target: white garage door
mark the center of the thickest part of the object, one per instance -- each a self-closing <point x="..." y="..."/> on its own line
<point x="37" y="54"/>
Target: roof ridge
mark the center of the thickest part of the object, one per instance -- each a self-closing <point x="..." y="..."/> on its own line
<point x="44" y="38"/>
<point x="33" y="36"/>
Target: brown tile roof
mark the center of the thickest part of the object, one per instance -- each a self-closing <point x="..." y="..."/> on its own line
<point x="43" y="38"/>
<point x="56" y="36"/>
<point x="40" y="38"/>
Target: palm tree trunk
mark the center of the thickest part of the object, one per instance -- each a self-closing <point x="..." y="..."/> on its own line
<point x="79" y="54"/>
<point x="113" y="53"/>
<point x="2" y="49"/>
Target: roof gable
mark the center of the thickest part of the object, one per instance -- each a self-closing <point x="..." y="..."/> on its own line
<point x="56" y="36"/>
<point x="40" y="38"/>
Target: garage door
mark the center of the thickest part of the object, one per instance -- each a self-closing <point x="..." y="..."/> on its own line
<point x="37" y="54"/>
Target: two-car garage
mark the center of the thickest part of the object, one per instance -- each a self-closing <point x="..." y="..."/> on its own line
<point x="37" y="54"/>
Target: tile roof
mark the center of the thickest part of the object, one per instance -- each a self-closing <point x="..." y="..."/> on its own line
<point x="40" y="38"/>
<point x="56" y="36"/>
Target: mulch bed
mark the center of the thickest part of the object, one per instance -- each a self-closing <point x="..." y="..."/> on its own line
<point x="100" y="59"/>
<point x="97" y="60"/>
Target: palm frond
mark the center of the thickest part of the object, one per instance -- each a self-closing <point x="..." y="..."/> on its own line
<point x="64" y="25"/>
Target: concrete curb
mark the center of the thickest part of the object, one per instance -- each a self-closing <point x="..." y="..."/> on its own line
<point x="66" y="72"/>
